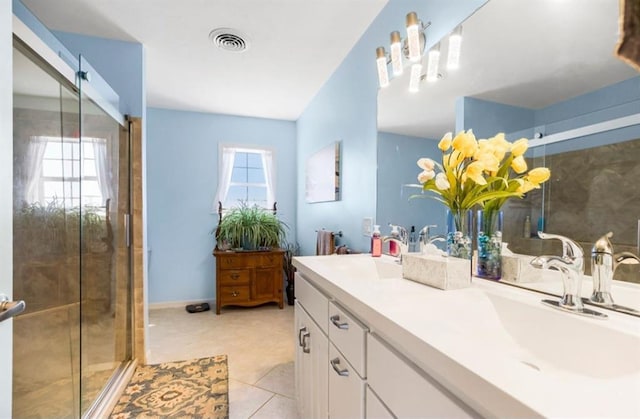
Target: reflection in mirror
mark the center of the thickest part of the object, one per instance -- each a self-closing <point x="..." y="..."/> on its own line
<point x="533" y="69"/>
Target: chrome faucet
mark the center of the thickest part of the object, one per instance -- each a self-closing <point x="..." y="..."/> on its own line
<point x="425" y="239"/>
<point x="603" y="265"/>
<point x="571" y="267"/>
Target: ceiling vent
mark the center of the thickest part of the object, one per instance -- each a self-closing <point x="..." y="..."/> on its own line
<point x="229" y="39"/>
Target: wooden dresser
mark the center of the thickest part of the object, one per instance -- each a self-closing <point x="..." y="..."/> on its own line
<point x="248" y="278"/>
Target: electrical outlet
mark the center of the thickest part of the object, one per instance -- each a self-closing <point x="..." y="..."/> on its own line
<point x="367" y="226"/>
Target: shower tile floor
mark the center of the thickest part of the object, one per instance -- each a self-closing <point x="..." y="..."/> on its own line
<point x="258" y="341"/>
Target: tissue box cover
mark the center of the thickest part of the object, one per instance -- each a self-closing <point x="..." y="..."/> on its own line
<point x="517" y="268"/>
<point x="445" y="273"/>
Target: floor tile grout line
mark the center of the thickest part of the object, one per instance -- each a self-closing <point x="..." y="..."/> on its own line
<point x="263" y="405"/>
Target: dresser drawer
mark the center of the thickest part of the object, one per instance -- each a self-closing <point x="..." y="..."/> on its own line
<point x="234" y="277"/>
<point x="315" y="302"/>
<point x="349" y="336"/>
<point x="405" y="389"/>
<point x="234" y="261"/>
<point x="237" y="294"/>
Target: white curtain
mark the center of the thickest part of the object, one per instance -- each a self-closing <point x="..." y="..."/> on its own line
<point x="33" y="169"/>
<point x="226" y="168"/>
<point x="269" y="175"/>
<point x="103" y="168"/>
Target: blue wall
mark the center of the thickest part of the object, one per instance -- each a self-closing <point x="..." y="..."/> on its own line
<point x="182" y="175"/>
<point x="345" y="109"/>
<point x="397" y="157"/>
<point x="604" y="104"/>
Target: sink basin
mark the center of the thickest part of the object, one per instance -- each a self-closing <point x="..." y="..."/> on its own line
<point x="556" y="340"/>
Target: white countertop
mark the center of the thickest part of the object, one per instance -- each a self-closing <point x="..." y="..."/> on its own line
<point x="496" y="348"/>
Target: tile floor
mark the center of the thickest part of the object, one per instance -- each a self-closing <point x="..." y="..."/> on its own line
<point x="258" y="341"/>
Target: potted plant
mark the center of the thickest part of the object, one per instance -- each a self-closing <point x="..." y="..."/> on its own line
<point x="249" y="228"/>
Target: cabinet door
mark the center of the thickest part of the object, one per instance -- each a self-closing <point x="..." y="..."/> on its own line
<point x="311" y="373"/>
<point x="265" y="285"/>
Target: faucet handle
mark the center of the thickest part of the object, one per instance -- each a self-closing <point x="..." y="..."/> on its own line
<point x="603" y="245"/>
<point x="570" y="249"/>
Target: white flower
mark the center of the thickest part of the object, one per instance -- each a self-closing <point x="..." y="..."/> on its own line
<point x="441" y="182"/>
<point x="426" y="164"/>
<point x="426" y="175"/>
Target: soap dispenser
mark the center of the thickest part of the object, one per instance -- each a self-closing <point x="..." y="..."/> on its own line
<point x="376" y="242"/>
<point x="393" y="245"/>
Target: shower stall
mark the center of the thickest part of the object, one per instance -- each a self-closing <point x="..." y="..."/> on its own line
<point x="71" y="238"/>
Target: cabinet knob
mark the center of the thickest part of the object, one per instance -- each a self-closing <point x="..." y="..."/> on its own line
<point x="235" y="276"/>
<point x="235" y="293"/>
<point x="229" y="261"/>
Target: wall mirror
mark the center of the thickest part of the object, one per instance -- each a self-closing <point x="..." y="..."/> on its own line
<point x="322" y="174"/>
<point x="549" y="69"/>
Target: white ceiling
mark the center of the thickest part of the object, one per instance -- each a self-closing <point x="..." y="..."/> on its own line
<point x="529" y="53"/>
<point x="295" y="46"/>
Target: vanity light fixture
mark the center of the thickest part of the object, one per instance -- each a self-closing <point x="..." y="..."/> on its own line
<point x="381" y="62"/>
<point x="455" y="42"/>
<point x="416" y="76"/>
<point x="433" y="63"/>
<point x="413" y="36"/>
<point x="396" y="53"/>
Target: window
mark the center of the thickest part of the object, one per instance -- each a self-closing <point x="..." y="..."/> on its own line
<point x="59" y="165"/>
<point x="245" y="176"/>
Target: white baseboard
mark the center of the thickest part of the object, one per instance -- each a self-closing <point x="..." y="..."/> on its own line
<point x="178" y="304"/>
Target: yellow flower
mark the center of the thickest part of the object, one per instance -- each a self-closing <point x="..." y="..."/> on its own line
<point x="426" y="164"/>
<point x="426" y="175"/>
<point x="474" y="172"/>
<point x="519" y="147"/>
<point x="489" y="161"/>
<point x="526" y="186"/>
<point x="500" y="145"/>
<point x="441" y="182"/>
<point x="465" y="143"/>
<point x="519" y="165"/>
<point x="539" y="175"/>
<point x="445" y="142"/>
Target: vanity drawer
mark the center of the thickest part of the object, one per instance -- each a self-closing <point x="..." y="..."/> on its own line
<point x="315" y="302"/>
<point x="235" y="277"/>
<point x="235" y="294"/>
<point x="346" y="388"/>
<point x="349" y="336"/>
<point x="406" y="390"/>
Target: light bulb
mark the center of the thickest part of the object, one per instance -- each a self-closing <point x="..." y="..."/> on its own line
<point x="413" y="36"/>
<point x="432" y="65"/>
<point x="396" y="53"/>
<point x="381" y="63"/>
<point x="455" y="42"/>
<point x="414" y="81"/>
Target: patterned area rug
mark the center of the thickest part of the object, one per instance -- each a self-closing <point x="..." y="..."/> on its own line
<point x="188" y="389"/>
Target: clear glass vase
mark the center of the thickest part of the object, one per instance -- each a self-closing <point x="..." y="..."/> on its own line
<point x="459" y="232"/>
<point x="489" y="242"/>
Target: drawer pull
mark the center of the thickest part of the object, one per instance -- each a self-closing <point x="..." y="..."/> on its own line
<point x="235" y="293"/>
<point x="305" y="336"/>
<point x="229" y="261"/>
<point x="235" y="276"/>
<point x="300" y="332"/>
<point x="335" y="364"/>
<point x="335" y="319"/>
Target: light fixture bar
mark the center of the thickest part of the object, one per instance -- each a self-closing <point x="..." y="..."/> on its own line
<point x="396" y="53"/>
<point x="455" y="42"/>
<point x="381" y="62"/>
<point x="416" y="74"/>
<point x="434" y="62"/>
<point x="413" y="36"/>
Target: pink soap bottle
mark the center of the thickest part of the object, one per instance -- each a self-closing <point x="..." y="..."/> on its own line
<point x="376" y="242"/>
<point x="393" y="245"/>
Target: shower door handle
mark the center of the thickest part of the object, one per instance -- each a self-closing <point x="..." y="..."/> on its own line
<point x="9" y="309"/>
